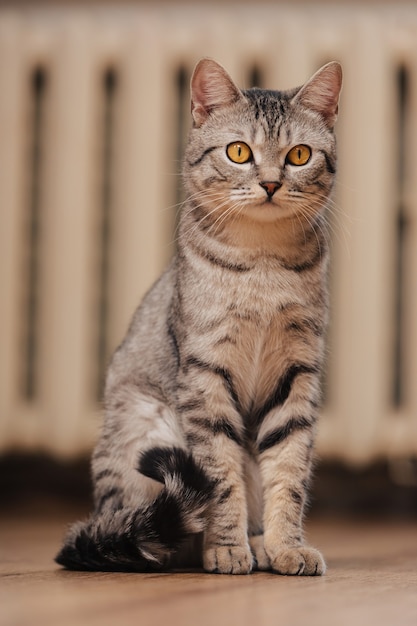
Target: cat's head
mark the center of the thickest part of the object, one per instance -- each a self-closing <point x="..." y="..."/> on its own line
<point x="263" y="155"/>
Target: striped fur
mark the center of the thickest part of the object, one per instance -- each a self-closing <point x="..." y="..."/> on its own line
<point x="212" y="399"/>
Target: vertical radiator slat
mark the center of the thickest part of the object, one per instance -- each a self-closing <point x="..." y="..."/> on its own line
<point x="13" y="117"/>
<point x="403" y="427"/>
<point x="412" y="260"/>
<point x="68" y="286"/>
<point x="363" y="290"/>
<point x="142" y="232"/>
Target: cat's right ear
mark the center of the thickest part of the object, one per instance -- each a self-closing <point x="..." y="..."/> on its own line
<point x="321" y="92"/>
<point x="211" y="88"/>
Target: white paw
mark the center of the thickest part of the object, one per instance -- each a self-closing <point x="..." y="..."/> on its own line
<point x="228" y="560"/>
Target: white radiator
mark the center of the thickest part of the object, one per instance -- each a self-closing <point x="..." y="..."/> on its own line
<point x="94" y="108"/>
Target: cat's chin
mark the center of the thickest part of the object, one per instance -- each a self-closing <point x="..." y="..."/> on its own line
<point x="268" y="212"/>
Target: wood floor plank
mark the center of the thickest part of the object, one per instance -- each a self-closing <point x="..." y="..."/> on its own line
<point x="371" y="580"/>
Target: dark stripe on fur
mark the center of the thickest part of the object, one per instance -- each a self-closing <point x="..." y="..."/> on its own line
<point x="303" y="325"/>
<point x="174" y="342"/>
<point x="296" y="496"/>
<point x="221" y="177"/>
<point x="195" y="439"/>
<point x="225" y="495"/>
<point x="226" y="339"/>
<point x="218" y="427"/>
<point x="238" y="267"/>
<point x="205" y="153"/>
<point x="283" y="432"/>
<point x="113" y="494"/>
<point x="330" y="165"/>
<point x="227" y="429"/>
<point x="106" y="473"/>
<point x="214" y="260"/>
<point x="306" y="265"/>
<point x="283" y="389"/>
<point x="220" y="371"/>
<point x="194" y="404"/>
<point x="227" y="377"/>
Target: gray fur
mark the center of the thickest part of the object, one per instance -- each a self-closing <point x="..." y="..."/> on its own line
<point x="223" y="357"/>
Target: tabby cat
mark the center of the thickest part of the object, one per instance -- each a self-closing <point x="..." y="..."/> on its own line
<point x="212" y="399"/>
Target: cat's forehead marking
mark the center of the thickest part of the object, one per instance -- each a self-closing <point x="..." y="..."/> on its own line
<point x="259" y="136"/>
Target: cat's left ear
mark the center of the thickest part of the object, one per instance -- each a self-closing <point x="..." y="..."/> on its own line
<point x="321" y="93"/>
<point x="211" y="88"/>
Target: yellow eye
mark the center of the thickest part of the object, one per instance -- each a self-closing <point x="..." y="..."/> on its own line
<point x="239" y="152"/>
<point x="299" y="155"/>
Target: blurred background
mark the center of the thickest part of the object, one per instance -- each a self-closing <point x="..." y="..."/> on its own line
<point x="94" y="112"/>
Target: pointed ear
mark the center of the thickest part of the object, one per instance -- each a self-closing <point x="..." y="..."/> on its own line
<point x="211" y="88"/>
<point x="321" y="92"/>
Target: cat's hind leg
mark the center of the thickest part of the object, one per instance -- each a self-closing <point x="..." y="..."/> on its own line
<point x="150" y="494"/>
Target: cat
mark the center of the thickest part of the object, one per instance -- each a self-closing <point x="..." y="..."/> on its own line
<point x="212" y="399"/>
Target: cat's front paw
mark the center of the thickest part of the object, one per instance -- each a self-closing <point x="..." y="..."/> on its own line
<point x="228" y="560"/>
<point x="298" y="561"/>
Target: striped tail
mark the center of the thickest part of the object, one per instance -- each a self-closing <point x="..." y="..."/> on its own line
<point x="145" y="538"/>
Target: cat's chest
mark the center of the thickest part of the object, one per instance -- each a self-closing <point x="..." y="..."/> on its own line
<point x="254" y="351"/>
<point x="237" y="320"/>
<point x="252" y="340"/>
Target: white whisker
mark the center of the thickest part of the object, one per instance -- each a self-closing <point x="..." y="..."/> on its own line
<point x="335" y="227"/>
<point x="218" y="206"/>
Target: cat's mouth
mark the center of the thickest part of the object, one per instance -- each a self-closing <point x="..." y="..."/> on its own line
<point x="269" y="200"/>
<point x="269" y="210"/>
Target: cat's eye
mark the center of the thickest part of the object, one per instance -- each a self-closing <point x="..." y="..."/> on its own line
<point x="299" y="155"/>
<point x="239" y="152"/>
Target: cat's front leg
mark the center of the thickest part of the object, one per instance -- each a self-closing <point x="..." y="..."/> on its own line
<point x="215" y="433"/>
<point x="226" y="547"/>
<point x="285" y="443"/>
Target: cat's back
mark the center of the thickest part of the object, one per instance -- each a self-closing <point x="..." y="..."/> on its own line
<point x="147" y="351"/>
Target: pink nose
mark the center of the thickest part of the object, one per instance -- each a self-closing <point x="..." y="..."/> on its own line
<point x="270" y="187"/>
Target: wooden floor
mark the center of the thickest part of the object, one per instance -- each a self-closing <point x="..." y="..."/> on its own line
<point x="371" y="579"/>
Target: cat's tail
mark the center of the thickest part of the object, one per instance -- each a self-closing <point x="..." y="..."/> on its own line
<point x="146" y="538"/>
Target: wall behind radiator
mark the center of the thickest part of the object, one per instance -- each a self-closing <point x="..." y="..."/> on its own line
<point x="93" y="115"/>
